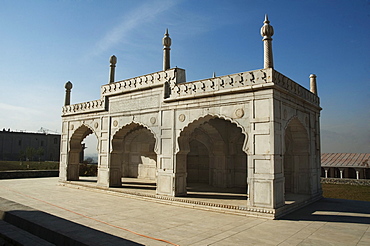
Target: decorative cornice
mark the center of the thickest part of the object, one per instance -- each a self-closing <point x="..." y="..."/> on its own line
<point x="85" y="107"/>
<point x="294" y="88"/>
<point x="142" y="82"/>
<point x="241" y="82"/>
<point x="179" y="90"/>
<point x="251" y="80"/>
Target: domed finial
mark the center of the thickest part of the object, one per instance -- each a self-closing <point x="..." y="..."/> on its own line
<point x="267" y="31"/>
<point x="68" y="87"/>
<point x="166" y="41"/>
<point x="113" y="61"/>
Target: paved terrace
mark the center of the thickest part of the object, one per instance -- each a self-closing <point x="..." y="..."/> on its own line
<point x="81" y="216"/>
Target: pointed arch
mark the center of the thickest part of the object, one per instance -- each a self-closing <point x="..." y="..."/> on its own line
<point x="221" y="142"/>
<point x="81" y="133"/>
<point x="204" y="162"/>
<point x="196" y="122"/>
<point x="296" y="158"/>
<point x="75" y="149"/>
<point x="133" y="152"/>
<point x="119" y="133"/>
<point x="295" y="121"/>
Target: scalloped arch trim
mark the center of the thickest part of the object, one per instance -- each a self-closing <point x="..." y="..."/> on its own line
<point x="133" y="123"/>
<point x="202" y="119"/>
<point x="79" y="130"/>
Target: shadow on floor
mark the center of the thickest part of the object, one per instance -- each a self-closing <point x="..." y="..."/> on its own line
<point x="59" y="231"/>
<point x="200" y="190"/>
<point x="333" y="210"/>
<point x="138" y="187"/>
<point x="194" y="190"/>
<point x="88" y="179"/>
<point x="54" y="229"/>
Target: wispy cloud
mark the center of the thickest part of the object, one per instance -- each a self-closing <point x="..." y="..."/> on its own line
<point x="27" y="118"/>
<point x="144" y="13"/>
<point x="17" y="109"/>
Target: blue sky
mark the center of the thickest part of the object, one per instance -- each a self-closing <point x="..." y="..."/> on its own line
<point x="43" y="44"/>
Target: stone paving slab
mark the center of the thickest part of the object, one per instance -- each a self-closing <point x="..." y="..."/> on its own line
<point x="84" y="214"/>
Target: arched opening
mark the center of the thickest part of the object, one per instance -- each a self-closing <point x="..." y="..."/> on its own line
<point x="211" y="152"/>
<point x="89" y="157"/>
<point x="197" y="167"/>
<point x="77" y="158"/>
<point x="296" y="161"/>
<point x="134" y="157"/>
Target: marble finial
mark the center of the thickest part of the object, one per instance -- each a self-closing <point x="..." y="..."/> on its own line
<point x="267" y="31"/>
<point x="166" y="41"/>
<point x="67" y="99"/>
<point x="313" y="85"/>
<point x="113" y="60"/>
<point x="266" y="19"/>
<point x="68" y="85"/>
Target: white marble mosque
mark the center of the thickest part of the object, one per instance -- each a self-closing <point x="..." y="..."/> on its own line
<point x="255" y="130"/>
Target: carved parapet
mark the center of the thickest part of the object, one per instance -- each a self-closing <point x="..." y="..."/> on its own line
<point x="240" y="82"/>
<point x="221" y="85"/>
<point x="175" y="75"/>
<point x="294" y="88"/>
<point x="85" y="107"/>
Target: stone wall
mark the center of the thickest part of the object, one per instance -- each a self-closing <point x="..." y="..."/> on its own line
<point x="13" y="143"/>
<point x="365" y="182"/>
<point x="28" y="174"/>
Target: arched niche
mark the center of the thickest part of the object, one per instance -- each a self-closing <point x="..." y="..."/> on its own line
<point x="133" y="153"/>
<point x="211" y="151"/>
<point x="296" y="159"/>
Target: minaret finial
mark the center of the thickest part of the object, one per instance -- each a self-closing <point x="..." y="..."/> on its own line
<point x="266" y="19"/>
<point x="267" y="31"/>
<point x="113" y="61"/>
<point x="166" y="41"/>
<point x="313" y="85"/>
<point x="68" y="87"/>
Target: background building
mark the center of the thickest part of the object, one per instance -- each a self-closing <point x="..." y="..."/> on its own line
<point x="15" y="146"/>
<point x="345" y="165"/>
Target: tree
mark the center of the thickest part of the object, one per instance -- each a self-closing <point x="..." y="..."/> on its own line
<point x="30" y="152"/>
<point x="88" y="160"/>
<point x="39" y="152"/>
<point x="22" y="155"/>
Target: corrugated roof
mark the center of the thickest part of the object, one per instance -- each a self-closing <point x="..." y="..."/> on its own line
<point x="345" y="160"/>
